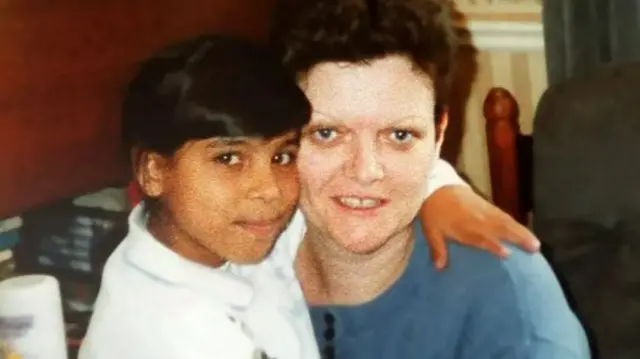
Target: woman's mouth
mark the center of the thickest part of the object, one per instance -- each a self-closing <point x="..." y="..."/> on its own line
<point x="358" y="203"/>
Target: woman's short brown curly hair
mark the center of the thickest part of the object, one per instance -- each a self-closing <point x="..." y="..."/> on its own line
<point x="309" y="32"/>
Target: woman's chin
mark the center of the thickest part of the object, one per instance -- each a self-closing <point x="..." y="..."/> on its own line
<point x="361" y="245"/>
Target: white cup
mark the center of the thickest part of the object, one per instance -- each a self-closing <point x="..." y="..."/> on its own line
<point x="31" y="321"/>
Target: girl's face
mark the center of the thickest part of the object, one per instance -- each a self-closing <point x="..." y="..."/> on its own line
<point x="367" y="152"/>
<point x="224" y="199"/>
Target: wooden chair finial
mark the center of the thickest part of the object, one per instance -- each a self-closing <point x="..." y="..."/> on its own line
<point x="500" y="105"/>
<point x="501" y="113"/>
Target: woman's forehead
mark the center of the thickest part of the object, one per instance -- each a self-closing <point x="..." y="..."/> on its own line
<point x="380" y="89"/>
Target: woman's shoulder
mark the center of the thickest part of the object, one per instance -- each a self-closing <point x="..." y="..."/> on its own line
<point x="519" y="270"/>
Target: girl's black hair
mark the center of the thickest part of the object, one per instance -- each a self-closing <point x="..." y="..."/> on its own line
<point x="211" y="86"/>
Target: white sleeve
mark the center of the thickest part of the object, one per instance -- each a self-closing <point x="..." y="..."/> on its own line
<point x="173" y="336"/>
<point x="443" y="174"/>
<point x="225" y="340"/>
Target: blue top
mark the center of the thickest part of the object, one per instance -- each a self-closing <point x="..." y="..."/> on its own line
<point x="480" y="307"/>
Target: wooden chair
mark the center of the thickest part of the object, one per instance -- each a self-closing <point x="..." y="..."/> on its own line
<point x="587" y="202"/>
<point x="510" y="155"/>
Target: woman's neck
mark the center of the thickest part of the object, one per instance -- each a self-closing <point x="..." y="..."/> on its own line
<point x="329" y="274"/>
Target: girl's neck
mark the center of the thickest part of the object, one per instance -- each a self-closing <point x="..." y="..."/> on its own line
<point x="163" y="229"/>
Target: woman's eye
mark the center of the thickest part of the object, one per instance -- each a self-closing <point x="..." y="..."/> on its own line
<point x="228" y="159"/>
<point x="325" y="134"/>
<point x="284" y="158"/>
<point x="401" y="136"/>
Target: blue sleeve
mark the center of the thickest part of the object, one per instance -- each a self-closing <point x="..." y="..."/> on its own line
<point x="520" y="312"/>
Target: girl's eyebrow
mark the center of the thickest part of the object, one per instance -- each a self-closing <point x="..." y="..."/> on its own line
<point x="244" y="141"/>
<point x="228" y="141"/>
<point x="292" y="140"/>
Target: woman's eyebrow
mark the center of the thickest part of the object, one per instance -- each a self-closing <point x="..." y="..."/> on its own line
<point x="328" y="119"/>
<point x="409" y="120"/>
<point x="324" y="117"/>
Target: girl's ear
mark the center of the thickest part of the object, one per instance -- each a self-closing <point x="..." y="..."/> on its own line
<point x="150" y="171"/>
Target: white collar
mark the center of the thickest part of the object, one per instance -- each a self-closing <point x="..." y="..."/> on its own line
<point x="148" y="254"/>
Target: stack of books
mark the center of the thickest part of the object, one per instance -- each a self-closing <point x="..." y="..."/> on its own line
<point x="9" y="237"/>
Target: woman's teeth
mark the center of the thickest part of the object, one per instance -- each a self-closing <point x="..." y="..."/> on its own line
<point x="355" y="202"/>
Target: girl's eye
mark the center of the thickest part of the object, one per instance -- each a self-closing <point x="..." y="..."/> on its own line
<point x="401" y="136"/>
<point x="325" y="134"/>
<point x="228" y="159"/>
<point x="284" y="158"/>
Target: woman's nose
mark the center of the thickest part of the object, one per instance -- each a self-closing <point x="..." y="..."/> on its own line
<point x="364" y="165"/>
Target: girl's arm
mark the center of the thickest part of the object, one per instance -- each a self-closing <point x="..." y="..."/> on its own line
<point x="452" y="210"/>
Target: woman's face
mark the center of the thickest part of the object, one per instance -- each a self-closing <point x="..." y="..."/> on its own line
<point x="366" y="155"/>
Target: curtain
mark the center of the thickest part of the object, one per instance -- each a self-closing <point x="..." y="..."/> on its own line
<point x="581" y="35"/>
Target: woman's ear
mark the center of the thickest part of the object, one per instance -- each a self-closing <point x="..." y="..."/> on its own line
<point x="441" y="127"/>
<point x="150" y="171"/>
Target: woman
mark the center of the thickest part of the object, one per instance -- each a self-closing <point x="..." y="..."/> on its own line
<point x="377" y="76"/>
